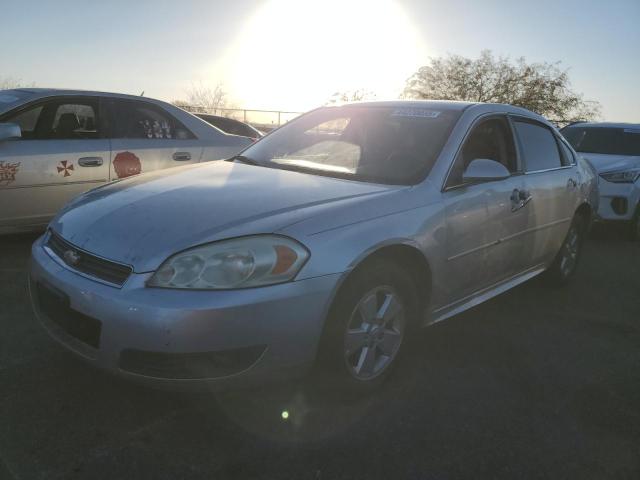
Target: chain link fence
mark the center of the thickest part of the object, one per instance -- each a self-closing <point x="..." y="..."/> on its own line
<point x="265" y="120"/>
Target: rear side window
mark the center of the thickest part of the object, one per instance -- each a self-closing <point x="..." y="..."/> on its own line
<point x="539" y="146"/>
<point x="141" y="120"/>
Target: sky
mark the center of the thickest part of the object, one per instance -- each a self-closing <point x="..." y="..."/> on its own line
<point x="294" y="54"/>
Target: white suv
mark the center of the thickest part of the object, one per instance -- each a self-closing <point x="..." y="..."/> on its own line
<point x="614" y="151"/>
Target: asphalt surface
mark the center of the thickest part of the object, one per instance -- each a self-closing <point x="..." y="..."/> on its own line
<point x="538" y="383"/>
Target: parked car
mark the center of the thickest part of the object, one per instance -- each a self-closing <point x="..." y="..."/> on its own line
<point x="331" y="239"/>
<point x="231" y="126"/>
<point x="614" y="151"/>
<point x="56" y="144"/>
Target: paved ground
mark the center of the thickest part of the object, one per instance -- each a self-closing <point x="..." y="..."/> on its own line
<point x="538" y="383"/>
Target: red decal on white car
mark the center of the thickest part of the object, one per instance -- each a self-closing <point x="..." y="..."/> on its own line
<point x="126" y="164"/>
<point x="8" y="173"/>
<point x="65" y="168"/>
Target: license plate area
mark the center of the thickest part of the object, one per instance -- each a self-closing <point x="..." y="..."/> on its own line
<point x="56" y="306"/>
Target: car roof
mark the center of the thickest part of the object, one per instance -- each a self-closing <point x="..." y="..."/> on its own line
<point x="451" y="105"/>
<point x="605" y="125"/>
<point x="47" y="92"/>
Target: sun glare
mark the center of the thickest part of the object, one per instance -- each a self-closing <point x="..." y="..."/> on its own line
<point x="293" y="55"/>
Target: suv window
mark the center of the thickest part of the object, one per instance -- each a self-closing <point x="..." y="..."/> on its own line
<point x="491" y="139"/>
<point x="539" y="146"/>
<point x="143" y="120"/>
<point x="60" y="120"/>
<point x="604" y="140"/>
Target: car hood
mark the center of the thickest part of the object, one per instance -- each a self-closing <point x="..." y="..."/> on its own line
<point x="608" y="163"/>
<point x="142" y="220"/>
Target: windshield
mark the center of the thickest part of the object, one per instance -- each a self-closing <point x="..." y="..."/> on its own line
<point x="604" y="140"/>
<point x="394" y="145"/>
<point x="11" y="98"/>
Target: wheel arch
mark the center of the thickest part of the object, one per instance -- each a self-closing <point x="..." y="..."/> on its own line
<point x="404" y="253"/>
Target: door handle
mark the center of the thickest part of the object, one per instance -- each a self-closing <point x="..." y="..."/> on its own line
<point x="181" y="156"/>
<point x="90" y="161"/>
<point x="519" y="198"/>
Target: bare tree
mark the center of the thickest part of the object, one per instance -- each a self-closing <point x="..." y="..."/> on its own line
<point x="7" y="83"/>
<point x="541" y="87"/>
<point x="205" y="98"/>
<point x="351" y="96"/>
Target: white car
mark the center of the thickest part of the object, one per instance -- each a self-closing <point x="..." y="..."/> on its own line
<point x="614" y="151"/>
<point x="56" y="144"/>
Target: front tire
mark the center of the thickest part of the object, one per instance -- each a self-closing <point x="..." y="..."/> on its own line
<point x="368" y="325"/>
<point x="564" y="265"/>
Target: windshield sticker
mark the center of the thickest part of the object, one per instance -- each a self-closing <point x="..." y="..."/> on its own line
<point x="126" y="164"/>
<point x="415" y="112"/>
<point x="8" y="172"/>
<point x="5" y="98"/>
<point x="65" y="168"/>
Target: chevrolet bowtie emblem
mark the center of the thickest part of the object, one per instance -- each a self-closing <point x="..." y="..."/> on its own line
<point x="71" y="257"/>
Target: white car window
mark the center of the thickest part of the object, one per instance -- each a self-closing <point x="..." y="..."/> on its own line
<point x="145" y="121"/>
<point x="60" y="120"/>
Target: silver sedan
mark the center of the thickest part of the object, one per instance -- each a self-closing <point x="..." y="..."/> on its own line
<point x="326" y="243"/>
<point x="56" y="144"/>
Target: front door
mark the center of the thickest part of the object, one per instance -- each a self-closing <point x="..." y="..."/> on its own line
<point x="144" y="137"/>
<point x="60" y="155"/>
<point x="484" y="233"/>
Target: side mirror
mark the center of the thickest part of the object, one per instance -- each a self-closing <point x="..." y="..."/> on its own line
<point x="9" y="131"/>
<point x="484" y="170"/>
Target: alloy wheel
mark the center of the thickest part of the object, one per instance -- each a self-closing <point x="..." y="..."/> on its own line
<point x="374" y="333"/>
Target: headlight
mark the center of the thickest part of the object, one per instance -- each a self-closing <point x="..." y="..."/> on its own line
<point x="238" y="263"/>
<point x="622" y="176"/>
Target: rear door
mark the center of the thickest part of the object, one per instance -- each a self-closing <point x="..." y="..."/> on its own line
<point x="61" y="154"/>
<point x="145" y="137"/>
<point x="551" y="181"/>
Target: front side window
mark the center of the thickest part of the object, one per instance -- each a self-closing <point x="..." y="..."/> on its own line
<point x="58" y="120"/>
<point x="604" y="140"/>
<point x="141" y="120"/>
<point x="27" y="121"/>
<point x="491" y="139"/>
<point x="539" y="146"/>
<point x="394" y="145"/>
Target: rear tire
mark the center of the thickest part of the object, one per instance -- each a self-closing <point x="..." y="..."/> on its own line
<point x="368" y="325"/>
<point x="566" y="262"/>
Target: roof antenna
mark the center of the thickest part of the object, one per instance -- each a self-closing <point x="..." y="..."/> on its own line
<point x="142" y="93"/>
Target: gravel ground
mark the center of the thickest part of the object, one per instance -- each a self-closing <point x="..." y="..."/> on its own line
<point x="537" y="383"/>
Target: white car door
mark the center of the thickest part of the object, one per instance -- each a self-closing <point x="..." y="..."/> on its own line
<point x="144" y="137"/>
<point x="60" y="155"/>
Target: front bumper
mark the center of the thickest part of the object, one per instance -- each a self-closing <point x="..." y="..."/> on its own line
<point x="150" y="335"/>
<point x="618" y="201"/>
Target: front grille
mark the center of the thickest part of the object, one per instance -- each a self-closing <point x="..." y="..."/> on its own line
<point x="112" y="272"/>
<point x="189" y="365"/>
<point x="55" y="305"/>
